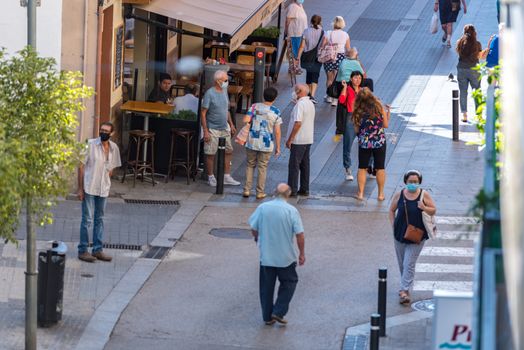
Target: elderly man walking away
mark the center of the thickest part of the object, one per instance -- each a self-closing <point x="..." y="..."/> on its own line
<point x="94" y="181"/>
<point x="274" y="224"/>
<point x="216" y="122"/>
<point x="299" y="139"/>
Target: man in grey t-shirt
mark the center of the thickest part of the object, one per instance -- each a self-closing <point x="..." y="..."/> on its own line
<point x="216" y="122"/>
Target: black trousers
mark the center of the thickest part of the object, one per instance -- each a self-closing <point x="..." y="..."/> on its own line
<point x="299" y="165"/>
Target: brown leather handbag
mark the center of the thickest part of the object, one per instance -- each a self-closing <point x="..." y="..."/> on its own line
<point x="412" y="234"/>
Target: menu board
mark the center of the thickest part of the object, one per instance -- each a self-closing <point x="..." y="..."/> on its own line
<point x="119" y="56"/>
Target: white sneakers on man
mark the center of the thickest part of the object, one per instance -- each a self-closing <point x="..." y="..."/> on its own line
<point x="212" y="181"/>
<point x="349" y="175"/>
<point x="228" y="180"/>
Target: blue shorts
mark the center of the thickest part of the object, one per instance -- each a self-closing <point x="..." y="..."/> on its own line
<point x="295" y="44"/>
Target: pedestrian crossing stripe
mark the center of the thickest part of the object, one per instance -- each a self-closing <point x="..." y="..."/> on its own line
<point x="444" y="268"/>
<point x="457" y="220"/>
<point x="447" y="251"/>
<point x="458" y="286"/>
<point x="457" y="235"/>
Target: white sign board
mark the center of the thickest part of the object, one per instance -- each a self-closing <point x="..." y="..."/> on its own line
<point x="452" y="320"/>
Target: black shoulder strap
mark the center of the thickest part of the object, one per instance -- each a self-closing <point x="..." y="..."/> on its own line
<point x="320" y="39"/>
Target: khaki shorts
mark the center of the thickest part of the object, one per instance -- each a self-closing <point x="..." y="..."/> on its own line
<point x="211" y="147"/>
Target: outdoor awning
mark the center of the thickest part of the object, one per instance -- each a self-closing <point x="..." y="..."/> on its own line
<point x="237" y="18"/>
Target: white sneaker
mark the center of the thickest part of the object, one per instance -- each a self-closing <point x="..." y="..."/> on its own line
<point x="334" y="102"/>
<point x="349" y="175"/>
<point x="228" y="180"/>
<point x="327" y="99"/>
<point x="212" y="181"/>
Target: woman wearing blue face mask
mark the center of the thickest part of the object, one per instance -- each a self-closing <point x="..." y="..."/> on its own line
<point x="406" y="209"/>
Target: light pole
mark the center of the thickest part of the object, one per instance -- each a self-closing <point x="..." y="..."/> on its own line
<point x="31" y="273"/>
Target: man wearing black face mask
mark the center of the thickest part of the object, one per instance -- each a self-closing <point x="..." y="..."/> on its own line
<point x="94" y="181"/>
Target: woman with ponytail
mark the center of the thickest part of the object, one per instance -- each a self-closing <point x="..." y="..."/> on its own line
<point x="469" y="50"/>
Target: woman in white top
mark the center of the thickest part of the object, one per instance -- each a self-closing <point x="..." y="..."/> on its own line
<point x="296" y="23"/>
<point x="341" y="39"/>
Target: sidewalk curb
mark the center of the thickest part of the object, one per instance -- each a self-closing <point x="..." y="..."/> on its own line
<point x="356" y="337"/>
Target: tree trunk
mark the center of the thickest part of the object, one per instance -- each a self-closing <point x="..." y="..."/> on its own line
<point x="30" y="281"/>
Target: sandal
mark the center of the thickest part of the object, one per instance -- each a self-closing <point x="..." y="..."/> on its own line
<point x="404" y="297"/>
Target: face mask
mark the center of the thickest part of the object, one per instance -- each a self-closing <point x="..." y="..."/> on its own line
<point x="224" y="85"/>
<point x="104" y="136"/>
<point x="300" y="1"/>
<point x="412" y="187"/>
<point x="294" y="96"/>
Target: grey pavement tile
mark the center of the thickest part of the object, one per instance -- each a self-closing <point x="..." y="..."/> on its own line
<point x="123" y="223"/>
<point x="81" y="296"/>
<point x="373" y="29"/>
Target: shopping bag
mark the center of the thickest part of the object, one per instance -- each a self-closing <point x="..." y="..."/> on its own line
<point x="242" y="135"/>
<point x="433" y="27"/>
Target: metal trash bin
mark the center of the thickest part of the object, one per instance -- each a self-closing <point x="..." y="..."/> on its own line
<point x="51" y="267"/>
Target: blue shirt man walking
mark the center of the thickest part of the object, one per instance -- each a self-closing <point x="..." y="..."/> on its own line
<point x="274" y="225"/>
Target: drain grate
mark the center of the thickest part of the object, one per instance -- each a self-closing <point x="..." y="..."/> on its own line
<point x="427" y="305"/>
<point x="155" y="252"/>
<point x="120" y="246"/>
<point x="355" y="342"/>
<point x="151" y="201"/>
<point x="238" y="233"/>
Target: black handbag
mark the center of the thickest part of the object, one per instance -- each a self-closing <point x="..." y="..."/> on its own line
<point x="309" y="58"/>
<point x="333" y="90"/>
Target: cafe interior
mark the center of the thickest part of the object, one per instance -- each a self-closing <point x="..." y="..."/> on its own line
<point x="158" y="139"/>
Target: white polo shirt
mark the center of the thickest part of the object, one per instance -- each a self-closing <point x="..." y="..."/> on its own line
<point x="304" y="112"/>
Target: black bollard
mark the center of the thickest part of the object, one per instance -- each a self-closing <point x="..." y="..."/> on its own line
<point x="221" y="159"/>
<point x="374" y="333"/>
<point x="455" y="99"/>
<point x="382" y="295"/>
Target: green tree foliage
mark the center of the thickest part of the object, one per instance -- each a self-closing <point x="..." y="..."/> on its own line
<point x="483" y="201"/>
<point x="38" y="145"/>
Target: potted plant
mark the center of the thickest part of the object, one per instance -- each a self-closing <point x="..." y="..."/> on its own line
<point x="184" y="119"/>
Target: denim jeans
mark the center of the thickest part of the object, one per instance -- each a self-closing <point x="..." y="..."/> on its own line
<point x="92" y="207"/>
<point x="466" y="77"/>
<point x="288" y="279"/>
<point x="349" y="137"/>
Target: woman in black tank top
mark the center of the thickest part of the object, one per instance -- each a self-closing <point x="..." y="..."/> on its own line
<point x="406" y="209"/>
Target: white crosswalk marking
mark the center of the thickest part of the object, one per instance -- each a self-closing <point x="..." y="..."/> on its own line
<point x="461" y="286"/>
<point x="444" y="268"/>
<point x="457" y="220"/>
<point x="435" y="269"/>
<point x="457" y="235"/>
<point x="447" y="251"/>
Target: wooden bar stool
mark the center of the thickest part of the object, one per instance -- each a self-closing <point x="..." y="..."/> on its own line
<point x="188" y="163"/>
<point x="140" y="163"/>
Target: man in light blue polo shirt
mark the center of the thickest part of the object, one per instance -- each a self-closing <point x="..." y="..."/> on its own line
<point x="274" y="224"/>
